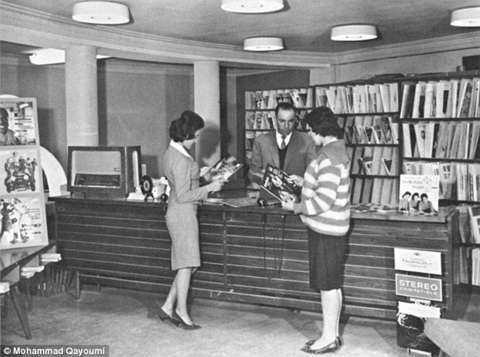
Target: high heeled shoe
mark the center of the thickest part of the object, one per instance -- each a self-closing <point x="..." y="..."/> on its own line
<point x="183" y="324"/>
<point x="331" y="347"/>
<point x="166" y="317"/>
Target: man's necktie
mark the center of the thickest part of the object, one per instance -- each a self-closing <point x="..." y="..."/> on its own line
<point x="283" y="144"/>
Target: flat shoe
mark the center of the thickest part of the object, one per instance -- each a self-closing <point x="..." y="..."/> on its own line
<point x="331" y="347"/>
<point x="312" y="341"/>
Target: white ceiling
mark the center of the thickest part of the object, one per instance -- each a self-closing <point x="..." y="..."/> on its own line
<point x="304" y="24"/>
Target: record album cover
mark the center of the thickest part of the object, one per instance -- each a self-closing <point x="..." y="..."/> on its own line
<point x="278" y="184"/>
<point x="419" y="193"/>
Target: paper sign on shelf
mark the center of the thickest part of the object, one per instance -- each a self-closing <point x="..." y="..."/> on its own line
<point x="418" y="261"/>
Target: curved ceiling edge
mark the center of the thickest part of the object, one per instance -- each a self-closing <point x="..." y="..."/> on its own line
<point x="35" y="28"/>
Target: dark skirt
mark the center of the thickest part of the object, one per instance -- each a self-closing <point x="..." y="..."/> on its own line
<point x="327" y="260"/>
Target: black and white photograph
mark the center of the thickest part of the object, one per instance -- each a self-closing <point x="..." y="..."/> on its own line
<point x="212" y="178"/>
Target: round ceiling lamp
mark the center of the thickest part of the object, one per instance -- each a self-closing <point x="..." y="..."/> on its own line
<point x="252" y="6"/>
<point x="353" y="33"/>
<point x="263" y="44"/>
<point x="46" y="56"/>
<point x="101" y="13"/>
<point x="466" y="17"/>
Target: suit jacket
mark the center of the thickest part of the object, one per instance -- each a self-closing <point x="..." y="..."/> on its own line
<point x="301" y="150"/>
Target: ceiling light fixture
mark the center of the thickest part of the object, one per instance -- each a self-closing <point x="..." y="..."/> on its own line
<point x="259" y="44"/>
<point x="101" y="13"/>
<point x="252" y="6"/>
<point x="466" y="17"/>
<point x="353" y="32"/>
<point x="44" y="56"/>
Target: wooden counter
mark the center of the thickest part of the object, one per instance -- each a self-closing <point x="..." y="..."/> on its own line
<point x="252" y="254"/>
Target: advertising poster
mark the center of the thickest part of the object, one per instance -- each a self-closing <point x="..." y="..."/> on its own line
<point x="22" y="202"/>
<point x="21" y="222"/>
<point x="19" y="171"/>
<point x="17" y="122"/>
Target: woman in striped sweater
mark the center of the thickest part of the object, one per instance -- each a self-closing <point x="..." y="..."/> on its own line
<point x="325" y="210"/>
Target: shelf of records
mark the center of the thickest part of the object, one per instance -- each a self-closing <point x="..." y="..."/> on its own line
<point x="370" y="129"/>
<point x="467" y="254"/>
<point x="475" y="266"/>
<point x="459" y="182"/>
<point x="359" y="98"/>
<point x="343" y="98"/>
<point x="269" y="99"/>
<point x="266" y="121"/>
<point x="431" y="126"/>
<point x="467" y="259"/>
<point x="447" y="98"/>
<point x="444" y="140"/>
<point x="377" y="190"/>
<point x="373" y="160"/>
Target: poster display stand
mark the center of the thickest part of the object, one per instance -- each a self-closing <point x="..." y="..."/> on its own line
<point x="22" y="200"/>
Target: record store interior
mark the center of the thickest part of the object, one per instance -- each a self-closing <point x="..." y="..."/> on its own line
<point x="240" y="178"/>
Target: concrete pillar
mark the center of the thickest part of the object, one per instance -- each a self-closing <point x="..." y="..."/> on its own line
<point x="81" y="95"/>
<point x="206" y="83"/>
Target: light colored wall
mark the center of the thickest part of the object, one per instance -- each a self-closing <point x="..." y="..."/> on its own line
<point x="425" y="63"/>
<point x="322" y="75"/>
<point x="137" y="101"/>
<point x="8" y="77"/>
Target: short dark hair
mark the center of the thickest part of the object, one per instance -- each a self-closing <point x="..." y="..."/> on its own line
<point x="184" y="128"/>
<point x="406" y="193"/>
<point x="423" y="195"/>
<point x="284" y="106"/>
<point x="323" y="122"/>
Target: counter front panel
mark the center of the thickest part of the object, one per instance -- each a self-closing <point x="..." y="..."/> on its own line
<point x="255" y="255"/>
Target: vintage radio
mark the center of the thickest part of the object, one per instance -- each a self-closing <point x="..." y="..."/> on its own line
<point x="103" y="171"/>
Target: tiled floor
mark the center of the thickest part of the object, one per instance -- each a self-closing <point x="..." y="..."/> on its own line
<point x="126" y="321"/>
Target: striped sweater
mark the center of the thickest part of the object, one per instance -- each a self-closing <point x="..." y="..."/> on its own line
<point x="325" y="204"/>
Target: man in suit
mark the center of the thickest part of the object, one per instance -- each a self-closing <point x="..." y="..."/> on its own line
<point x="285" y="148"/>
